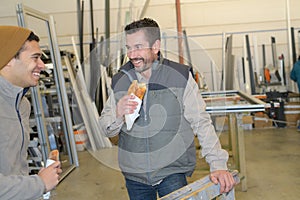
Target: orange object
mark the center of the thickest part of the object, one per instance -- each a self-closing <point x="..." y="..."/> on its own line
<point x="267" y="75"/>
<point x="54" y="155"/>
<point x="81" y="138"/>
<point x="197" y="77"/>
<point x="138" y="89"/>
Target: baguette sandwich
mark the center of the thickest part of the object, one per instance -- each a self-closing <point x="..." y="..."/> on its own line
<point x="138" y="89"/>
<point x="54" y="155"/>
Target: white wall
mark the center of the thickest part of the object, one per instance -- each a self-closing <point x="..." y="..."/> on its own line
<point x="204" y="21"/>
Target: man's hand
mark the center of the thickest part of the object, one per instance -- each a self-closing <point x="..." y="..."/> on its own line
<point x="126" y="105"/>
<point x="50" y="175"/>
<point x="225" y="179"/>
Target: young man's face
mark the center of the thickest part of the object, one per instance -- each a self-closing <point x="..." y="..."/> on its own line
<point x="140" y="53"/>
<point x="27" y="67"/>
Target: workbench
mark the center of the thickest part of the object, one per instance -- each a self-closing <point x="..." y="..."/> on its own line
<point x="234" y="104"/>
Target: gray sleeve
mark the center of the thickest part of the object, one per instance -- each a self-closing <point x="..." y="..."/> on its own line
<point x="110" y="124"/>
<point x="195" y="113"/>
<point x="21" y="187"/>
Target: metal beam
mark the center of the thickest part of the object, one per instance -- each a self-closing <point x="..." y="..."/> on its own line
<point x="144" y="9"/>
<point x="179" y="31"/>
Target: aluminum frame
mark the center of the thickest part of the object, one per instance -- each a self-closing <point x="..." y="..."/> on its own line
<point x="252" y="104"/>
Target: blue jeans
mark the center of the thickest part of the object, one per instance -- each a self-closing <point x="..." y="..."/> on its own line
<point x="141" y="191"/>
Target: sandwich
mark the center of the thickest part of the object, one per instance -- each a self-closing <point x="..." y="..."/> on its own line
<point x="54" y="155"/>
<point x="138" y="89"/>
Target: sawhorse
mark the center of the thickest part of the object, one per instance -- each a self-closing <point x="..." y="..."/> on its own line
<point x="202" y="189"/>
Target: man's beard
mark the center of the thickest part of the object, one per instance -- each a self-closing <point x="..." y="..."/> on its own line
<point x="143" y="68"/>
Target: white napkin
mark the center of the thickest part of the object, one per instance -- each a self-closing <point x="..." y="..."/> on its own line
<point x="48" y="163"/>
<point x="129" y="119"/>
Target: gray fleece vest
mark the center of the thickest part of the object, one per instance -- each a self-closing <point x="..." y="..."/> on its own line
<point x="161" y="141"/>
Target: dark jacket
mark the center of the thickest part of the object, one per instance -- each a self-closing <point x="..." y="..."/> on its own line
<point x="295" y="74"/>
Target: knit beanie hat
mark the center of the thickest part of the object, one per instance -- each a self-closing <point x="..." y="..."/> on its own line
<point x="12" y="39"/>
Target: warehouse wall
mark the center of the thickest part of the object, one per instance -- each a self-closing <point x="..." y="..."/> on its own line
<point x="204" y="20"/>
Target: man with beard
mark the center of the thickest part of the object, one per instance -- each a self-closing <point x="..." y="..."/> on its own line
<point x="158" y="152"/>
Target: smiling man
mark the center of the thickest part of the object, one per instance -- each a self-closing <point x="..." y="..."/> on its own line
<point x="158" y="153"/>
<point x="20" y="68"/>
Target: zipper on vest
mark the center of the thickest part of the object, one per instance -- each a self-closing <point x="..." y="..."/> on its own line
<point x="20" y="120"/>
<point x="144" y="106"/>
<point x="145" y="116"/>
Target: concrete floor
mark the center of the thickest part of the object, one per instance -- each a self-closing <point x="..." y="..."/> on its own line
<point x="272" y="162"/>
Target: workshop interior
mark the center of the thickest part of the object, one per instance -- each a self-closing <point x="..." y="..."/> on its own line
<point x="242" y="54"/>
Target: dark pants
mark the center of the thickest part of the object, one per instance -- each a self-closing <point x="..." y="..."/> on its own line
<point x="140" y="191"/>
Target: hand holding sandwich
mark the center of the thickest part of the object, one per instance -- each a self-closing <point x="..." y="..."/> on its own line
<point x="126" y="104"/>
<point x="130" y="104"/>
<point x="50" y="174"/>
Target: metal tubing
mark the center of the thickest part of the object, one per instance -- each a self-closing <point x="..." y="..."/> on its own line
<point x="92" y="23"/>
<point x="179" y="31"/>
<point x="81" y="35"/>
<point x="144" y="9"/>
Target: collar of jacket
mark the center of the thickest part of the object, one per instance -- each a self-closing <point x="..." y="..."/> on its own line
<point x="10" y="91"/>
